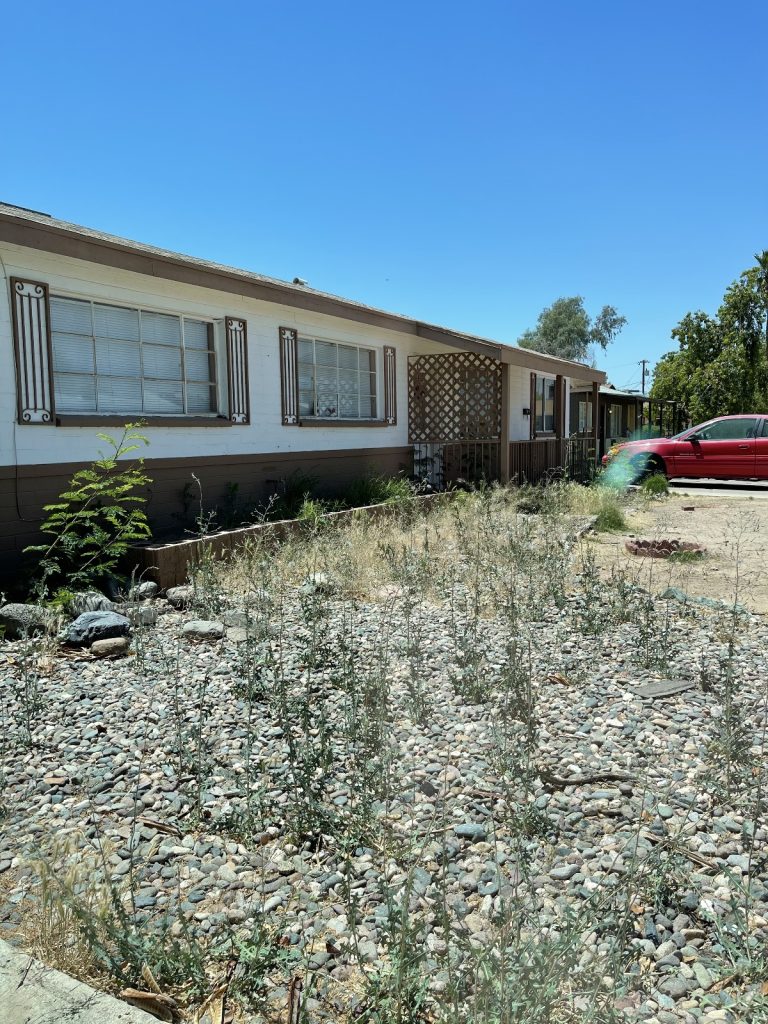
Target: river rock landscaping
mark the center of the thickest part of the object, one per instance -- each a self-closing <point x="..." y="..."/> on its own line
<point x="398" y="772"/>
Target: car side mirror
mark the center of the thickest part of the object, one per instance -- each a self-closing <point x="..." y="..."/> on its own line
<point x="694" y="438"/>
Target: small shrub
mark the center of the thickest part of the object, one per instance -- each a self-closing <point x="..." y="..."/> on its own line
<point x="293" y="492"/>
<point x="609" y="515"/>
<point x="313" y="509"/>
<point x="96" y="518"/>
<point x="378" y="490"/>
<point x="655" y="485"/>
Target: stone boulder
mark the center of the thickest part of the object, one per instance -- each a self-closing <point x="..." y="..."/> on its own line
<point x="201" y="629"/>
<point x="180" y="597"/>
<point x="92" y="626"/>
<point x="89" y="601"/>
<point x="24" y="619"/>
<point x="144" y="591"/>
<point x="112" y="647"/>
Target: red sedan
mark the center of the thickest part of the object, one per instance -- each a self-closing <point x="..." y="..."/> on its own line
<point x="725" y="448"/>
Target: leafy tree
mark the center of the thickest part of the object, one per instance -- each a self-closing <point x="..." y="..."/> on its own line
<point x="96" y="518"/>
<point x="721" y="366"/>
<point x="565" y="329"/>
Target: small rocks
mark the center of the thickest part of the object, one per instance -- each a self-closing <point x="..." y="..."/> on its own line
<point x="562" y="872"/>
<point x="475" y="833"/>
<point x="202" y="629"/>
<point x="318" y="584"/>
<point x="144" y="591"/>
<point x="92" y="626"/>
<point x="266" y="742"/>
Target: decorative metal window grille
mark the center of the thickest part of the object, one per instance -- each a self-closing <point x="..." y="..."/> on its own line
<point x="119" y="359"/>
<point x="336" y="381"/>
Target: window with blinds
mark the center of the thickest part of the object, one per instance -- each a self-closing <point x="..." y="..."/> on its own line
<point x="115" y="359"/>
<point x="336" y="381"/>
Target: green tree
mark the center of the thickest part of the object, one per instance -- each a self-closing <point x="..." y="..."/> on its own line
<point x="721" y="366"/>
<point x="565" y="329"/>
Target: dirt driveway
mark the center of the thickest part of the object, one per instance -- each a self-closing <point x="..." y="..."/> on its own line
<point x="733" y="528"/>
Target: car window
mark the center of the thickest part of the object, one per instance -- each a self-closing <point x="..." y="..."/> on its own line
<point x="729" y="430"/>
<point x="764" y="429"/>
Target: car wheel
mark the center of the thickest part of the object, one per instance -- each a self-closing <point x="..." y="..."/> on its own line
<point x="647" y="465"/>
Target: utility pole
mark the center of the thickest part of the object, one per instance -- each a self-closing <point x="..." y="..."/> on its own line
<point x="643" y="363"/>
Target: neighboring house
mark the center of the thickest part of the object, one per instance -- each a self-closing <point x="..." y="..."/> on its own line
<point x="622" y="416"/>
<point x="242" y="379"/>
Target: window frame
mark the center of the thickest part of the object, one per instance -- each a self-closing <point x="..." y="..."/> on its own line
<point x="585" y="416"/>
<point x="325" y="419"/>
<point x="545" y="383"/>
<point x="755" y="420"/>
<point x="615" y="409"/>
<point x="177" y="418"/>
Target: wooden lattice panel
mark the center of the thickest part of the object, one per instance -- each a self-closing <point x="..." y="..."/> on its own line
<point x="454" y="396"/>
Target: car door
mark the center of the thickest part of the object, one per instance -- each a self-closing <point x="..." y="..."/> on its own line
<point x="723" y="448"/>
<point x="761" y="451"/>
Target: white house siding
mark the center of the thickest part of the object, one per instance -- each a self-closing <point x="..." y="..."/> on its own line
<point x="520" y="398"/>
<point x="41" y="444"/>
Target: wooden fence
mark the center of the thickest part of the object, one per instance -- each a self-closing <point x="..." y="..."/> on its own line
<point x="537" y="461"/>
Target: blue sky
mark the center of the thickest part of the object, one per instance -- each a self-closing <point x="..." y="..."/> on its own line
<point x="461" y="163"/>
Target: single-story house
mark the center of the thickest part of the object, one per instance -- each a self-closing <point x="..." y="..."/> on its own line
<point x="622" y="416"/>
<point x="243" y="379"/>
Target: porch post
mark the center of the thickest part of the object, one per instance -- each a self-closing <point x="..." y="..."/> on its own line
<point x="595" y="419"/>
<point x="504" y="432"/>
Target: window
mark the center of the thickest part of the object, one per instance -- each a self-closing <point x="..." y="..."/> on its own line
<point x="728" y="430"/>
<point x="585" y="417"/>
<point x="614" y="420"/>
<point x="336" y="381"/>
<point x="544" y="401"/>
<point x="117" y="359"/>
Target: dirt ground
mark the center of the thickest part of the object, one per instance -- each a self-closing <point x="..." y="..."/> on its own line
<point x="734" y="531"/>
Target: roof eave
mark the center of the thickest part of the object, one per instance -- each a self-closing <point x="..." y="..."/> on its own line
<point x="65" y="240"/>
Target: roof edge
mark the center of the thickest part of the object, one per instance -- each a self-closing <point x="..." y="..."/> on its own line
<point x="47" y="234"/>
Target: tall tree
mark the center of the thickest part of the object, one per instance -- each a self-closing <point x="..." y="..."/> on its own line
<point x="721" y="366"/>
<point x="565" y="329"/>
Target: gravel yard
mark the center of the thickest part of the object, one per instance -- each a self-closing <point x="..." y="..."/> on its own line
<point x="408" y="768"/>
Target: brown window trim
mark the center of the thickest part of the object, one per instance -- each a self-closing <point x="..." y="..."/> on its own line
<point x="342" y="423"/>
<point x="150" y="421"/>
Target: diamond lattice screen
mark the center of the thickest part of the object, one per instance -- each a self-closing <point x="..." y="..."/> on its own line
<point x="454" y="397"/>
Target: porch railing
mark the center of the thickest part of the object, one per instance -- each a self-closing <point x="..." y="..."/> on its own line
<point x="571" y="458"/>
<point x="443" y="464"/>
<point x="446" y="464"/>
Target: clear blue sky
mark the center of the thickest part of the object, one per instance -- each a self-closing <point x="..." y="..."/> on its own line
<point x="461" y="163"/>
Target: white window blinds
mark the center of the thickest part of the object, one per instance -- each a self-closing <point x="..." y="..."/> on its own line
<point x="115" y="359"/>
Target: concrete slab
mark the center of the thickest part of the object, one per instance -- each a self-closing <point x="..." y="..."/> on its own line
<point x="663" y="688"/>
<point x="31" y="993"/>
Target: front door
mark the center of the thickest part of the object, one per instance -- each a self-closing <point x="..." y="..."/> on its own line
<point x="724" y="449"/>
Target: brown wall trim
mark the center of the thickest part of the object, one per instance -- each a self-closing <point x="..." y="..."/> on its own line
<point x="114" y="252"/>
<point x="186" y="464"/>
<point x="149" y="421"/>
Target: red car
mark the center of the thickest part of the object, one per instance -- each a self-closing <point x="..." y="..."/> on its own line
<point x="728" y="447"/>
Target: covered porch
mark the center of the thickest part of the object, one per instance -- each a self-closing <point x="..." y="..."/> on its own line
<point x="476" y="416"/>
